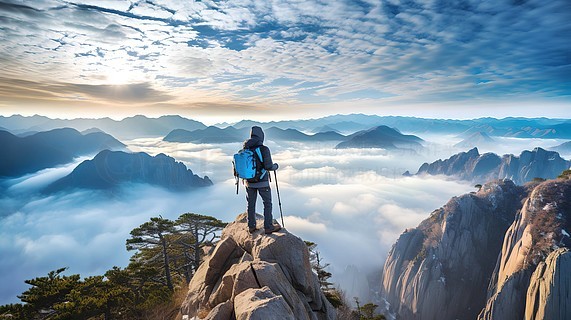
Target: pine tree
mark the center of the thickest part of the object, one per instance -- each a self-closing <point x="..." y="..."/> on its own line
<point x="204" y="229"/>
<point x="153" y="234"/>
<point x="333" y="295"/>
<point x="48" y="293"/>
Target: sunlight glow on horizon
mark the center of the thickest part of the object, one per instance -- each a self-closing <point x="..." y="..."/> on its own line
<point x="285" y="60"/>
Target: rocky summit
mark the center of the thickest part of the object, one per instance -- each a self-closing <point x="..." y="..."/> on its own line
<point x="501" y="253"/>
<point x="478" y="168"/>
<point x="256" y="276"/>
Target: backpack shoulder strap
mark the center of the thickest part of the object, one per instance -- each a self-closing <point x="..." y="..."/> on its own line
<point x="259" y="153"/>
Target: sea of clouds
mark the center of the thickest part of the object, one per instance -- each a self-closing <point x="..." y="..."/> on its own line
<point x="353" y="203"/>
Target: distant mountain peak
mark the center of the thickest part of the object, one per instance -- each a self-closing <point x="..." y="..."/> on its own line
<point x="538" y="163"/>
<point x="111" y="169"/>
<point x="381" y="137"/>
<point x="47" y="149"/>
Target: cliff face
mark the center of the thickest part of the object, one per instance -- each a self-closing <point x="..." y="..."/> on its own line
<point x="470" y="165"/>
<point x="440" y="270"/>
<point x="530" y="257"/>
<point x="498" y="254"/>
<point x="256" y="276"/>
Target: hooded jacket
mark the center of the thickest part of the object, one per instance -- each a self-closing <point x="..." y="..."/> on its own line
<point x="257" y="140"/>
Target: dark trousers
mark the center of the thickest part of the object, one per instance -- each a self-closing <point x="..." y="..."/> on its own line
<point x="266" y="194"/>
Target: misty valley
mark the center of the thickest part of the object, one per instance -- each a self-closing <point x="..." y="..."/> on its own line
<point x="72" y="190"/>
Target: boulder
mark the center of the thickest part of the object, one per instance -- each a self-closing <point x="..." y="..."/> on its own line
<point x="261" y="304"/>
<point x="222" y="311"/>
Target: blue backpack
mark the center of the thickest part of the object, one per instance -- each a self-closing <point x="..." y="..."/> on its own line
<point x="248" y="164"/>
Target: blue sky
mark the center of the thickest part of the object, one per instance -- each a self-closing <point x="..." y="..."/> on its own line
<point x="285" y="59"/>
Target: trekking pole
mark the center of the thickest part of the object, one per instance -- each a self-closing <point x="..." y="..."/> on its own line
<point x="236" y="177"/>
<point x="279" y="200"/>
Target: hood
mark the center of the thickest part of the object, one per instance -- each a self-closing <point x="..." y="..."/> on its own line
<point x="257" y="132"/>
<point x="256" y="137"/>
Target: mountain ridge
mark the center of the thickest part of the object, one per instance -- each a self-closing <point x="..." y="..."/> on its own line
<point x="544" y="128"/>
<point x="23" y="155"/>
<point x="381" y="137"/>
<point x="473" y="166"/>
<point x="110" y="169"/>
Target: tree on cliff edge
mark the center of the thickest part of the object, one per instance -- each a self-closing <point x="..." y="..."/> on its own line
<point x="151" y="234"/>
<point x="204" y="230"/>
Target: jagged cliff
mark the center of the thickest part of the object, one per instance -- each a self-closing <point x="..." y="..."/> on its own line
<point x="470" y="165"/>
<point x="500" y="253"/>
<point x="522" y="282"/>
<point x="440" y="269"/>
<point x="256" y="276"/>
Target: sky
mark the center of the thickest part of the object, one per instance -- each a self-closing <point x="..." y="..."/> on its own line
<point x="273" y="60"/>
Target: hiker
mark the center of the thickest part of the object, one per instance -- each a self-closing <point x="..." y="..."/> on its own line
<point x="263" y="185"/>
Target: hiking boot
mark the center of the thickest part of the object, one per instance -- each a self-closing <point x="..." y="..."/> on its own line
<point x="252" y="230"/>
<point x="273" y="229"/>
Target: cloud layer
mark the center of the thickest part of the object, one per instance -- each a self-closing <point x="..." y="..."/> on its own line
<point x="350" y="202"/>
<point x="181" y="56"/>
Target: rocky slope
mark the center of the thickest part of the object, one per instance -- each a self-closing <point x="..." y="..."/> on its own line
<point x="531" y="268"/>
<point x="472" y="166"/>
<point x="440" y="269"/>
<point x="501" y="253"/>
<point x="256" y="276"/>
<point x="110" y="169"/>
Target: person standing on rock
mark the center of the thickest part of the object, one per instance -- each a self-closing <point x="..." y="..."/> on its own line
<point x="262" y="186"/>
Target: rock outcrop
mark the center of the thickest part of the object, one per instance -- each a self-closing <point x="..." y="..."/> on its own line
<point x="472" y="166"/>
<point x="501" y="253"/>
<point x="440" y="269"/>
<point x="110" y="169"/>
<point x="256" y="276"/>
<point x="529" y="257"/>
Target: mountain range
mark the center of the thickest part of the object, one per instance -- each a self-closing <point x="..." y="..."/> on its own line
<point x="507" y="127"/>
<point x="128" y="128"/>
<point x="23" y="155"/>
<point x="472" y="166"/>
<point x="110" y="169"/>
<point x="501" y="253"/>
<point x="141" y="126"/>
<point x="230" y="134"/>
